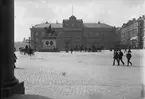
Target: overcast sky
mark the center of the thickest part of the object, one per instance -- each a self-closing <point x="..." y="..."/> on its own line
<point x="112" y="12"/>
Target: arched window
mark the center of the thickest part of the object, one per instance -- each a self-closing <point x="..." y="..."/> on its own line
<point x="47" y="42"/>
<point x="51" y="42"/>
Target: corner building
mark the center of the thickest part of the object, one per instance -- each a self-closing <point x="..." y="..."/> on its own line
<point x="132" y="33"/>
<point x="72" y="32"/>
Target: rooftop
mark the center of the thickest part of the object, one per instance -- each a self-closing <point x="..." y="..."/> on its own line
<point x="60" y="25"/>
<point x="53" y="25"/>
<point x="97" y="25"/>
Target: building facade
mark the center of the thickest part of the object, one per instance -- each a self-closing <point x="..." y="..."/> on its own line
<point x="141" y="22"/>
<point x="118" y="37"/>
<point x="132" y="33"/>
<point x="70" y="33"/>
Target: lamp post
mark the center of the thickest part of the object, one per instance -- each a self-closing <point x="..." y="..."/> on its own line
<point x="29" y="41"/>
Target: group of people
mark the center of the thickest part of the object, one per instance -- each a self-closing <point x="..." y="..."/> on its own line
<point x="118" y="56"/>
<point x="85" y="49"/>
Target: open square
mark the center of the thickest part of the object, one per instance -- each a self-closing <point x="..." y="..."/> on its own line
<point x="86" y="74"/>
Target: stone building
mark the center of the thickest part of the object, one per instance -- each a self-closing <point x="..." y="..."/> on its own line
<point x="70" y="33"/>
<point x="118" y="37"/>
<point x="141" y="27"/>
<point x="132" y="33"/>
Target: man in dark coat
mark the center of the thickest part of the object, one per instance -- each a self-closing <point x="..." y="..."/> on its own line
<point x="120" y="56"/>
<point x="128" y="56"/>
<point x="15" y="58"/>
<point x="115" y="57"/>
<point x="71" y="50"/>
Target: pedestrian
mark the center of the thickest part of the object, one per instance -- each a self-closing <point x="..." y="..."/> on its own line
<point x="128" y="56"/>
<point x="85" y="49"/>
<point x="15" y="58"/>
<point x="120" y="56"/>
<point x="129" y="50"/>
<point x="71" y="50"/>
<point x="115" y="57"/>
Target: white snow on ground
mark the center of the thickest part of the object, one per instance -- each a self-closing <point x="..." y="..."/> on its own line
<point x="87" y="74"/>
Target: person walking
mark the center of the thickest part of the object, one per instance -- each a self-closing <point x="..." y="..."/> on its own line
<point x="116" y="57"/>
<point x="129" y="50"/>
<point x="71" y="50"/>
<point x="128" y="56"/>
<point x="15" y="58"/>
<point x="120" y="56"/>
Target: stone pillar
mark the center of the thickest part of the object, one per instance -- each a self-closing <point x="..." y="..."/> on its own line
<point x="9" y="84"/>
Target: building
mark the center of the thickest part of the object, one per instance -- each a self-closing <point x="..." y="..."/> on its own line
<point x="141" y="22"/>
<point x="132" y="33"/>
<point x="118" y="37"/>
<point x="72" y="32"/>
<point x="129" y="34"/>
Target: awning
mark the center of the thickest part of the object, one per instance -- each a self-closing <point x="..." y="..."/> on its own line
<point x="134" y="38"/>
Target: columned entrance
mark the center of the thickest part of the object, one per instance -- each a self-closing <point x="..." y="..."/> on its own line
<point x="9" y="84"/>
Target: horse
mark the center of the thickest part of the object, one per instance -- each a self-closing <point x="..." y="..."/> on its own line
<point x="28" y="51"/>
<point x="22" y="50"/>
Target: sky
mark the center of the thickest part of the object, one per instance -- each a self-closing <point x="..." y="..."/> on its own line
<point x="113" y="12"/>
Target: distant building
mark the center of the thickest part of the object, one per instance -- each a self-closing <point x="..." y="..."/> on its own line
<point x="132" y="33"/>
<point x="72" y="32"/>
<point x="118" y="37"/>
<point x="141" y="39"/>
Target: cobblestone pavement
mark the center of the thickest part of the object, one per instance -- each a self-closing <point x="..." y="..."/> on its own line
<point x="88" y="75"/>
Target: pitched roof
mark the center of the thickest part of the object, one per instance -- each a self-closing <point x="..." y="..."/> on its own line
<point x="53" y="25"/>
<point x="97" y="25"/>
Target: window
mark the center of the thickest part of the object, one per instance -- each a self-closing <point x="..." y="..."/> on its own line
<point x="36" y="40"/>
<point x="97" y="34"/>
<point x="90" y="34"/>
<point x="51" y="42"/>
<point x="79" y="25"/>
<point x="44" y="34"/>
<point x="36" y="33"/>
<point x="47" y="42"/>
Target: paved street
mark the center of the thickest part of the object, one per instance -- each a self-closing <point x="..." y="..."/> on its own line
<point x="88" y="75"/>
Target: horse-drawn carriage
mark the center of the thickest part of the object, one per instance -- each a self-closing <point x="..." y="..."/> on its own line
<point x="26" y="50"/>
